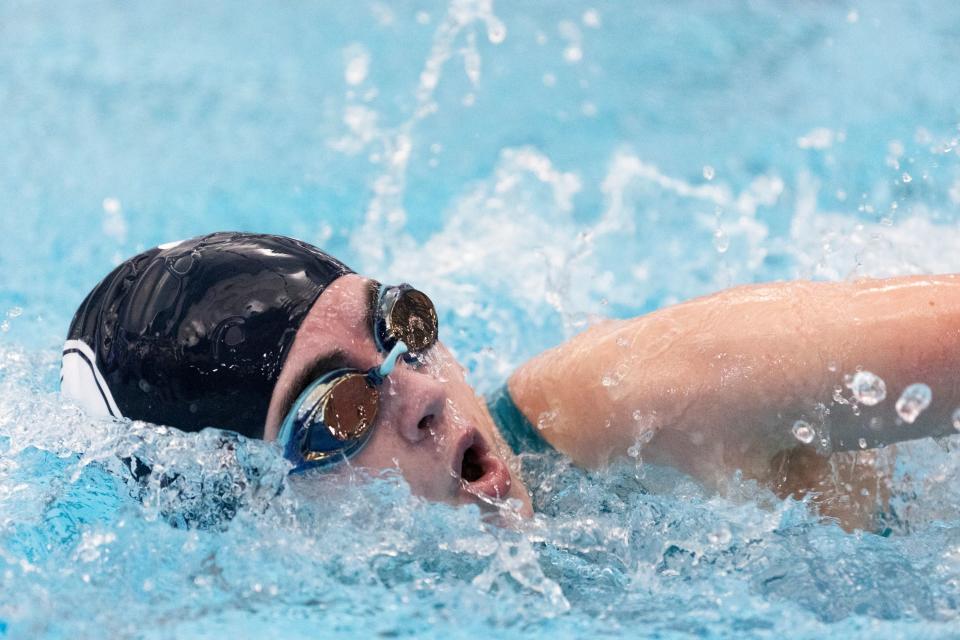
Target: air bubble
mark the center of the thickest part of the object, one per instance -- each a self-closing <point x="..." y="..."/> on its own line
<point x="803" y="432"/>
<point x="913" y="401"/>
<point x="868" y="388"/>
<point x="862" y="442"/>
<point x="709" y="172"/>
<point x="906" y="177"/>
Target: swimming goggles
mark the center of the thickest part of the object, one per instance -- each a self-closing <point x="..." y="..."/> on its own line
<point x="332" y="419"/>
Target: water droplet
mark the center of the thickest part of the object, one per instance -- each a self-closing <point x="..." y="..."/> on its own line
<point x="111" y="205"/>
<point x="573" y="53"/>
<point x="496" y="32"/>
<point x="233" y="336"/>
<point x="591" y="18"/>
<point x="114" y="224"/>
<point x="868" y="388"/>
<point x="638" y="415"/>
<point x="862" y="442"/>
<point x="956" y="418"/>
<point x="721" y="536"/>
<point x="429" y="80"/>
<point x="913" y="401"/>
<point x="546" y="419"/>
<point x="709" y="172"/>
<point x="357" y="66"/>
<point x="15" y="312"/>
<point x="608" y="381"/>
<point x="721" y="242"/>
<point x="144" y="385"/>
<point x="803" y="432"/>
<point x="906" y="177"/>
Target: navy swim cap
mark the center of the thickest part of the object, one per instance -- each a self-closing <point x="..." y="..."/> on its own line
<point x="194" y="334"/>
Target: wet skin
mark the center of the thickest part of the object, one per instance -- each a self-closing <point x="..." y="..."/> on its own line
<point x="431" y="425"/>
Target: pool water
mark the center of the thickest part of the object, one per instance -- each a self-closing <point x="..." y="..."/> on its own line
<point x="534" y="167"/>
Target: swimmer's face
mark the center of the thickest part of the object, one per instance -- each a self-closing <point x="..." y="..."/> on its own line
<point x="431" y="425"/>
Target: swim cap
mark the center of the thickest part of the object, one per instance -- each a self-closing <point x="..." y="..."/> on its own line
<point x="194" y="334"/>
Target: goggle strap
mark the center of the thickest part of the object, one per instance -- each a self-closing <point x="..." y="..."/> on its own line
<point x="377" y="375"/>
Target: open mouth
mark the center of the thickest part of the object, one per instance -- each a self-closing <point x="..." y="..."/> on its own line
<point x="471" y="469"/>
<point x="481" y="473"/>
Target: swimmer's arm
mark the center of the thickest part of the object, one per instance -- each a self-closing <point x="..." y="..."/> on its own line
<point x="716" y="383"/>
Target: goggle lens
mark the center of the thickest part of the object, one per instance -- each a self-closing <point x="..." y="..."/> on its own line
<point x="350" y="407"/>
<point x="334" y="416"/>
<point x="409" y="315"/>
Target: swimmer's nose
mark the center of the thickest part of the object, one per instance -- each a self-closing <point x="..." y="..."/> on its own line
<point x="419" y="402"/>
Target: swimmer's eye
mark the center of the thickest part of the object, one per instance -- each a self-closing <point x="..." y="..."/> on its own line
<point x="332" y="419"/>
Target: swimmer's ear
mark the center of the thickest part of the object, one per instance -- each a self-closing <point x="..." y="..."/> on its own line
<point x="82" y="383"/>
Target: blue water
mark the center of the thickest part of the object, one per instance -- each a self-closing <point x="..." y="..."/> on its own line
<point x="534" y="167"/>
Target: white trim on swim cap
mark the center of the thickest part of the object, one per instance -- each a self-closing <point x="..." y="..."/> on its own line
<point x="82" y="383"/>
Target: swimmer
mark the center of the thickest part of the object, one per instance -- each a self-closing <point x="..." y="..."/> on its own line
<point x="272" y="338"/>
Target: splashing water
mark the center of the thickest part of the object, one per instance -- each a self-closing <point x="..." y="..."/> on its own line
<point x="535" y="169"/>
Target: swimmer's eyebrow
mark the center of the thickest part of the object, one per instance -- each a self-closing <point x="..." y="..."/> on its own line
<point x="336" y="359"/>
<point x="323" y="364"/>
